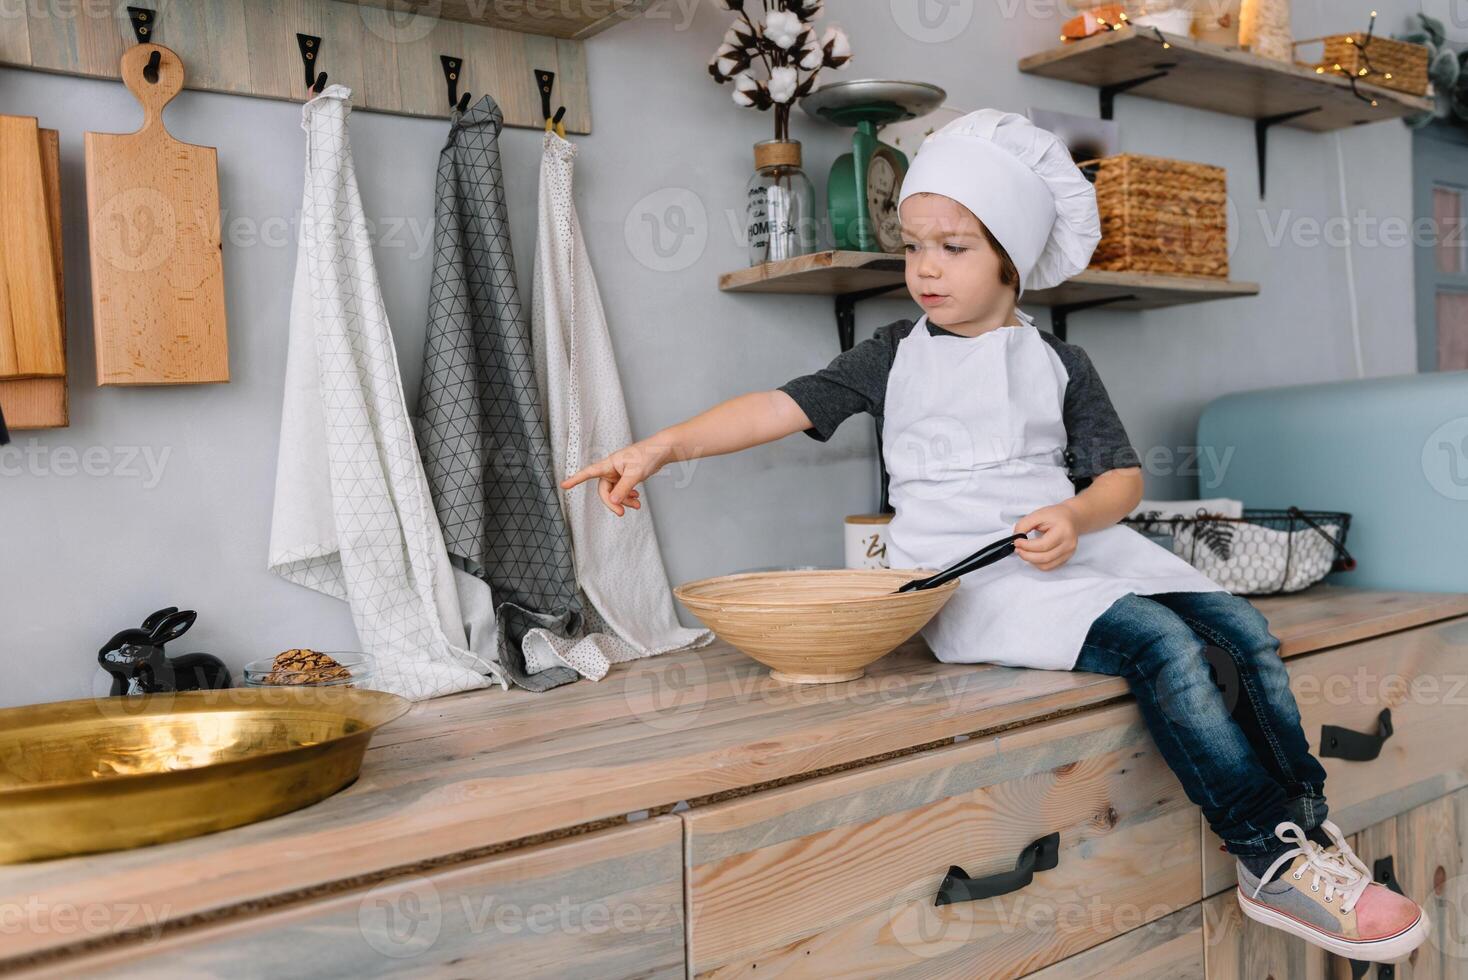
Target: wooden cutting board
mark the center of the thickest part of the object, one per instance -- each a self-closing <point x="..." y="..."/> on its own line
<point x="157" y="271"/>
<point x="40" y="403"/>
<point x="30" y="318"/>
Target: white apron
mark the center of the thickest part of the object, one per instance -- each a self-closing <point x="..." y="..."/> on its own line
<point x="974" y="439"/>
<point x="352" y="516"/>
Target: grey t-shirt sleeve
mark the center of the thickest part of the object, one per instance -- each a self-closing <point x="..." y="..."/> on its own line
<point x="855" y="381"/>
<point x="1096" y="441"/>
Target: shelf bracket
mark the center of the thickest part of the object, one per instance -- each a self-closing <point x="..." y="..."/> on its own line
<point x="1261" y="138"/>
<point x="846" y="311"/>
<point x="1060" y="313"/>
<point x="1110" y="92"/>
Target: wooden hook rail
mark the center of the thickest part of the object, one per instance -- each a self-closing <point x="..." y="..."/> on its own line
<point x="390" y="60"/>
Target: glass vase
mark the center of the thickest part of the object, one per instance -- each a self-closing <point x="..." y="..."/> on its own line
<point x="780" y="220"/>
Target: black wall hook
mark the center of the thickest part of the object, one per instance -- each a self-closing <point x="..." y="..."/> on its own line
<point x="451" y="67"/>
<point x="545" y="81"/>
<point x="311" y="47"/>
<point x="143" y="20"/>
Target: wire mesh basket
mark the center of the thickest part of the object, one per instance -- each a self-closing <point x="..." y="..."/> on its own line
<point x="1264" y="552"/>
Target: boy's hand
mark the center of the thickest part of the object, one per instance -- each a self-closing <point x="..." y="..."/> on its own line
<point x="617" y="475"/>
<point x="1057" y="541"/>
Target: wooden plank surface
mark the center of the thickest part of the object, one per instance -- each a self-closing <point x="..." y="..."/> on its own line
<point x="549" y="18"/>
<point x="388" y="57"/>
<point x="157" y="270"/>
<point x="31" y="329"/>
<point x="607" y="904"/>
<point x="41" y="403"/>
<point x="482" y="768"/>
<point x="836" y="877"/>
<point x="1418" y="675"/>
<point x="1236" y="947"/>
<point x="1171" y="948"/>
<point x="1207" y="76"/>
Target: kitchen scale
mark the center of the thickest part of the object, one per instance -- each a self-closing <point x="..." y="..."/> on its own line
<point x="862" y="191"/>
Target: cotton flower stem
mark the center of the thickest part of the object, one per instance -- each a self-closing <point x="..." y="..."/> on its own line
<point x="759" y="48"/>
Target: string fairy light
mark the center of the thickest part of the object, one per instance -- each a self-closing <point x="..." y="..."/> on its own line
<point x="1366" y="69"/>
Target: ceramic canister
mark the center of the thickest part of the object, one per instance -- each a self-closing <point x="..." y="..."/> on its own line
<point x="866" y="540"/>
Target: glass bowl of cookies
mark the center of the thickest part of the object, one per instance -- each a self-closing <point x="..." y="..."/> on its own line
<point x="310" y="668"/>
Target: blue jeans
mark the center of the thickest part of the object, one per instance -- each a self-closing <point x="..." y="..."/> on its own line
<point x="1215" y="695"/>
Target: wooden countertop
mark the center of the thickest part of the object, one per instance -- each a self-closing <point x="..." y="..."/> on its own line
<point x="461" y="776"/>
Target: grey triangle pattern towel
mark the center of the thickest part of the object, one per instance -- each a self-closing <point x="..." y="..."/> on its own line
<point x="483" y="435"/>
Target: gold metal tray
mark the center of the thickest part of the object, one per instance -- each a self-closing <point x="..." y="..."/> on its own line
<point x="104" y="774"/>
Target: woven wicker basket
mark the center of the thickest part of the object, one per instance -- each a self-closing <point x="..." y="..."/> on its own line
<point x="1160" y="215"/>
<point x="1391" y="64"/>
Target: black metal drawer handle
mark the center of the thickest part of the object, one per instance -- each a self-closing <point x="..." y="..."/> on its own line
<point x="1343" y="743"/>
<point x="1041" y="855"/>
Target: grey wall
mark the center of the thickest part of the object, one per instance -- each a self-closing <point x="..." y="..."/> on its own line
<point x="95" y="538"/>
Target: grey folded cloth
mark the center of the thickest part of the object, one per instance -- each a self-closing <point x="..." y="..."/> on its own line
<point x="480" y="426"/>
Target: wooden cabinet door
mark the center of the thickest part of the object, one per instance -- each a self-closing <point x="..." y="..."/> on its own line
<point x="1171" y="948"/>
<point x="1236" y="947"/>
<point x="839" y="876"/>
<point x="1421" y="853"/>
<point x="1417" y="676"/>
<point x="600" y="906"/>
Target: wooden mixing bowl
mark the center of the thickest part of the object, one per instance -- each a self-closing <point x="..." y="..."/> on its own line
<point x="815" y="626"/>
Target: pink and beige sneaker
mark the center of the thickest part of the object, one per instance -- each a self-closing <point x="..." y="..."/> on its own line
<point x="1326" y="897"/>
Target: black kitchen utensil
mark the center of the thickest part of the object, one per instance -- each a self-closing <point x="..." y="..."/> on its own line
<point x="987" y="555"/>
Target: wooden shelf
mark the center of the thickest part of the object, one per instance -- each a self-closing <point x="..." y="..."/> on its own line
<point x="1207" y="76"/>
<point x="837" y="273"/>
<point x="829" y="273"/>
<point x="854" y="276"/>
<point x="1148" y="291"/>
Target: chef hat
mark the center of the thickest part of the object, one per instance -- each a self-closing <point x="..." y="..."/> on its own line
<point x="1020" y="181"/>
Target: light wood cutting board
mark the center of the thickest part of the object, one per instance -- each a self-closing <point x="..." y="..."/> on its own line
<point x="30" y="319"/>
<point x="40" y="403"/>
<point x="157" y="271"/>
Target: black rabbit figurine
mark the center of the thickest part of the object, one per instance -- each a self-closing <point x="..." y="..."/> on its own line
<point x="136" y="661"/>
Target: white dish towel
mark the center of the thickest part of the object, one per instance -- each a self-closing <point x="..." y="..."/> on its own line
<point x="618" y="564"/>
<point x="353" y="518"/>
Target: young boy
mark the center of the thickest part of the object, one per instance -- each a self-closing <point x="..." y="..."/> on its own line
<point x="989" y="427"/>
